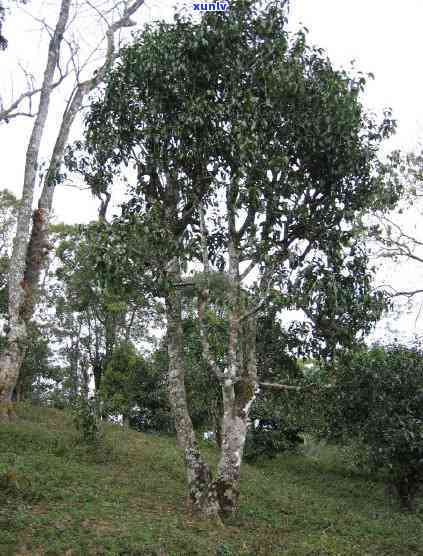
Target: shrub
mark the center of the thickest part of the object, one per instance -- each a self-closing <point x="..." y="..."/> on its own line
<point x="16" y="485"/>
<point x="85" y="417"/>
<point x="269" y="439"/>
<point x="377" y="400"/>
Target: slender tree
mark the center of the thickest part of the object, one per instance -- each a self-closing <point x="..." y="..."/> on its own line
<point x="31" y="241"/>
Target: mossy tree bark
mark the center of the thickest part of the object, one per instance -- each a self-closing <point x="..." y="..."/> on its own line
<point x="202" y="493"/>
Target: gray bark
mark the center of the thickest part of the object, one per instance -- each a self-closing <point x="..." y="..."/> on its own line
<point x="73" y="107"/>
<point x="28" y="253"/>
<point x="19" y="293"/>
<point x="238" y="390"/>
<point x="202" y="494"/>
<point x="239" y="378"/>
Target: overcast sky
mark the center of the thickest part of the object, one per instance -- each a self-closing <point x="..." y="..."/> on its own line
<point x="383" y="37"/>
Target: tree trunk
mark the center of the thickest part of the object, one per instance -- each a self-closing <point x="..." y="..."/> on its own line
<point x="202" y="492"/>
<point x="228" y="476"/>
<point x="11" y="361"/>
<point x="238" y="391"/>
<point x="27" y="255"/>
<point x="85" y="380"/>
<point x="17" y="395"/>
<point x="217" y="424"/>
<point x="238" y="396"/>
<point x="20" y="294"/>
<point x="98" y="373"/>
<point x="74" y="356"/>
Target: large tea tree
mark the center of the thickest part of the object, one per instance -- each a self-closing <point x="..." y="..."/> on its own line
<point x="255" y="159"/>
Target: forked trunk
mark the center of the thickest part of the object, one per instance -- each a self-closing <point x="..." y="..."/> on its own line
<point x="238" y="391"/>
<point x="238" y="396"/>
<point x="218" y="498"/>
<point x="202" y="493"/>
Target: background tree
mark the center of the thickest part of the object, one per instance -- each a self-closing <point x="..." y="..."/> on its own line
<point x="31" y="241"/>
<point x="287" y="410"/>
<point x="259" y="164"/>
<point x="38" y="372"/>
<point x="8" y="213"/>
<point x="89" y="315"/>
<point x="395" y="237"/>
<point x="135" y="388"/>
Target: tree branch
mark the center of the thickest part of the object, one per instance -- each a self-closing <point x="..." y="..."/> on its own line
<point x="75" y="103"/>
<point x="247" y="271"/>
<point x="268" y="282"/>
<point x="204" y="249"/>
<point x="402" y="234"/>
<point x="7" y="113"/>
<point x="203" y="297"/>
<point x="249" y="219"/>
<point x="408" y="294"/>
<point x="277" y="386"/>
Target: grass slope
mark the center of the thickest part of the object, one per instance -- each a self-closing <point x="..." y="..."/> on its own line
<point x="128" y="498"/>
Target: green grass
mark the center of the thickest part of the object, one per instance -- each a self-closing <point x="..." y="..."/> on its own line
<point x="128" y="498"/>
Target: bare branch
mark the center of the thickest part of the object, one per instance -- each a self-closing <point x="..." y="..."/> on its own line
<point x="408" y="294"/>
<point x="403" y="234"/>
<point x="75" y="103"/>
<point x="97" y="11"/>
<point x="17" y="114"/>
<point x="124" y="21"/>
<point x="7" y="113"/>
<point x="87" y="86"/>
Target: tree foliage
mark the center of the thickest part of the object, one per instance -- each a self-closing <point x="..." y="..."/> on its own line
<point x="107" y="312"/>
<point x="272" y="117"/>
<point x="134" y="387"/>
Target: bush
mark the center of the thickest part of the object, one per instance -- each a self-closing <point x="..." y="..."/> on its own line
<point x="146" y="420"/>
<point x="377" y="400"/>
<point x="269" y="439"/>
<point x="15" y="485"/>
<point x="85" y="417"/>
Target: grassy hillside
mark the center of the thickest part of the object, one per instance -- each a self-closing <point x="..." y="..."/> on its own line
<point x="128" y="498"/>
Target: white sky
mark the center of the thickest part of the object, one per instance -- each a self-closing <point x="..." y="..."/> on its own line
<point x="382" y="36"/>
